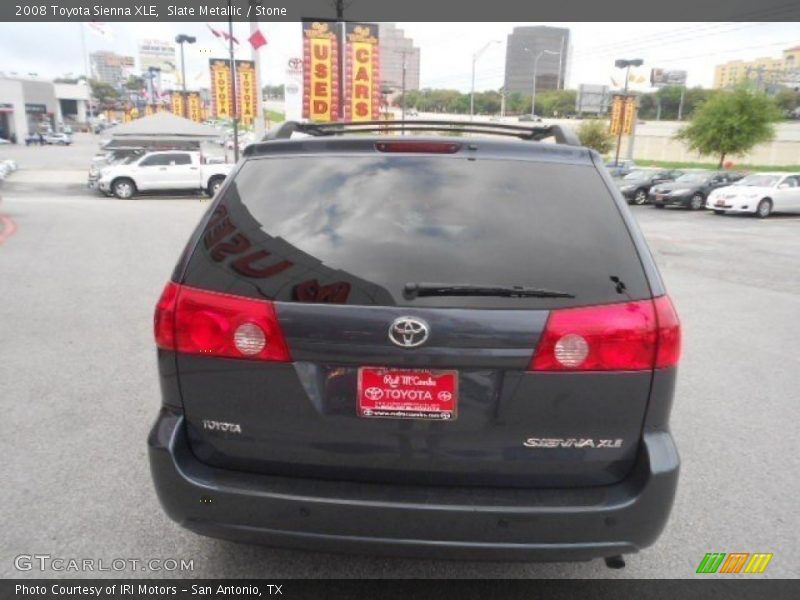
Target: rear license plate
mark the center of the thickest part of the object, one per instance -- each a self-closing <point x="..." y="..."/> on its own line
<point x="719" y="203"/>
<point x="407" y="394"/>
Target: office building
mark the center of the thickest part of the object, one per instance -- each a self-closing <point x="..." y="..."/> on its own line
<point x="394" y="47"/>
<point x="110" y="68"/>
<point x="551" y="44"/>
<point x="761" y="71"/>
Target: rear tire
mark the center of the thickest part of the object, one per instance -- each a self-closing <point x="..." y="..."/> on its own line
<point x="719" y="212"/>
<point x="764" y="208"/>
<point x="640" y="197"/>
<point x="123" y="188"/>
<point x="213" y="185"/>
<point x="697" y="202"/>
<point x="659" y="205"/>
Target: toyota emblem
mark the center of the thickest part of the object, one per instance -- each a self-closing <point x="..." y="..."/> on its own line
<point x="408" y="332"/>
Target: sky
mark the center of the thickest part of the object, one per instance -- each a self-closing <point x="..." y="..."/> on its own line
<point x="55" y="49"/>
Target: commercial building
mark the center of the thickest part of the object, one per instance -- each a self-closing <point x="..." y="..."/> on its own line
<point x="550" y="44"/>
<point x="159" y="55"/>
<point x="30" y="105"/>
<point x="394" y="48"/>
<point x="784" y="70"/>
<point x="111" y="68"/>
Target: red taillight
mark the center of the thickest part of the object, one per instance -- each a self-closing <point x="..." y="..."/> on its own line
<point x="421" y="147"/>
<point x="669" y="333"/>
<point x="195" y="321"/>
<point x="632" y="336"/>
<point x="164" y="321"/>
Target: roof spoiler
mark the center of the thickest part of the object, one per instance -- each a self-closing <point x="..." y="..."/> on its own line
<point x="561" y="134"/>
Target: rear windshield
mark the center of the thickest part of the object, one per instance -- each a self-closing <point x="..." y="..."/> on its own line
<point x="357" y="229"/>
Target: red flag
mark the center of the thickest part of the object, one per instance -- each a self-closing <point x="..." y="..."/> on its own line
<point x="230" y="37"/>
<point x="214" y="31"/>
<point x="257" y="39"/>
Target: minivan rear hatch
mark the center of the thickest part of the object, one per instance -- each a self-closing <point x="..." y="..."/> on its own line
<point x="339" y="239"/>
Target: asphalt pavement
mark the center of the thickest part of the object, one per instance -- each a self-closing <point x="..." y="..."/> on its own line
<point x="78" y="282"/>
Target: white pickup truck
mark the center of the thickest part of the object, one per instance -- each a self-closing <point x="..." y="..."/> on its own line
<point x="163" y="171"/>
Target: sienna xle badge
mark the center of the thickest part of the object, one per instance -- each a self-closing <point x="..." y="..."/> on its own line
<point x="425" y="346"/>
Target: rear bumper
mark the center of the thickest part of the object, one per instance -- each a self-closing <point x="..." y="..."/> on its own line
<point x="406" y="520"/>
<point x="745" y="207"/>
<point x="667" y="200"/>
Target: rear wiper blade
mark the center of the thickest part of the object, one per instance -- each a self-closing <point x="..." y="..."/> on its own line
<point x="418" y="290"/>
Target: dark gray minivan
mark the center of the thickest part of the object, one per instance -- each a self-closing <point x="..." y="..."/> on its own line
<point x="443" y="346"/>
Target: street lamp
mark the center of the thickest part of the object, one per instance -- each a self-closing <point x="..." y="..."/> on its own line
<point x="624" y="63"/>
<point x="535" y="69"/>
<point x="475" y="58"/>
<point x="181" y="39"/>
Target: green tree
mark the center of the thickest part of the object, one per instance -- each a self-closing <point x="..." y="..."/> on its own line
<point x="135" y="83"/>
<point x="731" y="122"/>
<point x="104" y="93"/>
<point x="787" y="100"/>
<point x="594" y="134"/>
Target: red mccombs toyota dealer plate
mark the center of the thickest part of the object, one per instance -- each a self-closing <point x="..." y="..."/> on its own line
<point x="407" y="394"/>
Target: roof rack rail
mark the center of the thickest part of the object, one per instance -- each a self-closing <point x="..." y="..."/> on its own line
<point x="562" y="135"/>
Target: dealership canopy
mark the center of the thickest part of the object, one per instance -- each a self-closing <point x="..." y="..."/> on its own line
<point x="163" y="127"/>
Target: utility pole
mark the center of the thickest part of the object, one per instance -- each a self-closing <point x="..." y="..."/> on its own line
<point x="404" y="53"/>
<point x="680" y="104"/>
<point x="626" y="64"/>
<point x="258" y="124"/>
<point x="475" y="58"/>
<point x="234" y="103"/>
<point x="340" y="25"/>
<point x="535" y="69"/>
<point x="182" y="39"/>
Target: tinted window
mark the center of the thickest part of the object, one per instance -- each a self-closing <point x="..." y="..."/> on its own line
<point x="179" y="159"/>
<point x="155" y="160"/>
<point x="356" y="229"/>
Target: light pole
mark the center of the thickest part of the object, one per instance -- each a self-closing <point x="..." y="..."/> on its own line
<point x="535" y="69"/>
<point x="623" y="63"/>
<point x="182" y="38"/>
<point x="475" y="58"/>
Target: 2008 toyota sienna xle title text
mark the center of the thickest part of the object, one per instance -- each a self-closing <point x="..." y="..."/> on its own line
<point x="418" y="345"/>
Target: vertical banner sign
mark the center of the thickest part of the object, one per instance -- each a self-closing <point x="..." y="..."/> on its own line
<point x="246" y="90"/>
<point x="195" y="107"/>
<point x="362" y="73"/>
<point x="220" y="88"/>
<point x="320" y="72"/>
<point x="149" y="109"/>
<point x="176" y="99"/>
<point x="617" y="107"/>
<point x="629" y="115"/>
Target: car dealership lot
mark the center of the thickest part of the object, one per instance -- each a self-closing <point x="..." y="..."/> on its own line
<point x="79" y="389"/>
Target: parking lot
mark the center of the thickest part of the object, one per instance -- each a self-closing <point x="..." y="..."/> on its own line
<point x="78" y="282"/>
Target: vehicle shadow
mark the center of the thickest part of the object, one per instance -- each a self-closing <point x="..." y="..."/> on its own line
<point x="235" y="560"/>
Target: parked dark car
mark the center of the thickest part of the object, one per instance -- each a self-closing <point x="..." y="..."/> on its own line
<point x="417" y="346"/>
<point x="620" y="169"/>
<point x="635" y="186"/>
<point x="691" y="189"/>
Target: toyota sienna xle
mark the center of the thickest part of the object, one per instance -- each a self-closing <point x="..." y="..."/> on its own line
<point x="445" y="346"/>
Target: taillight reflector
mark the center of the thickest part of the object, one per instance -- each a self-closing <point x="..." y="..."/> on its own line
<point x="669" y="333"/>
<point x="194" y="321"/>
<point x="421" y="147"/>
<point x="631" y="336"/>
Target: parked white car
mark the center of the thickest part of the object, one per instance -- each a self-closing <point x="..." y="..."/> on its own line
<point x="61" y="139"/>
<point x="759" y="193"/>
<point x="163" y="171"/>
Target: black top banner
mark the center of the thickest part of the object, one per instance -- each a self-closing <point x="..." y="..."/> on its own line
<point x="397" y="589"/>
<point x="397" y="10"/>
